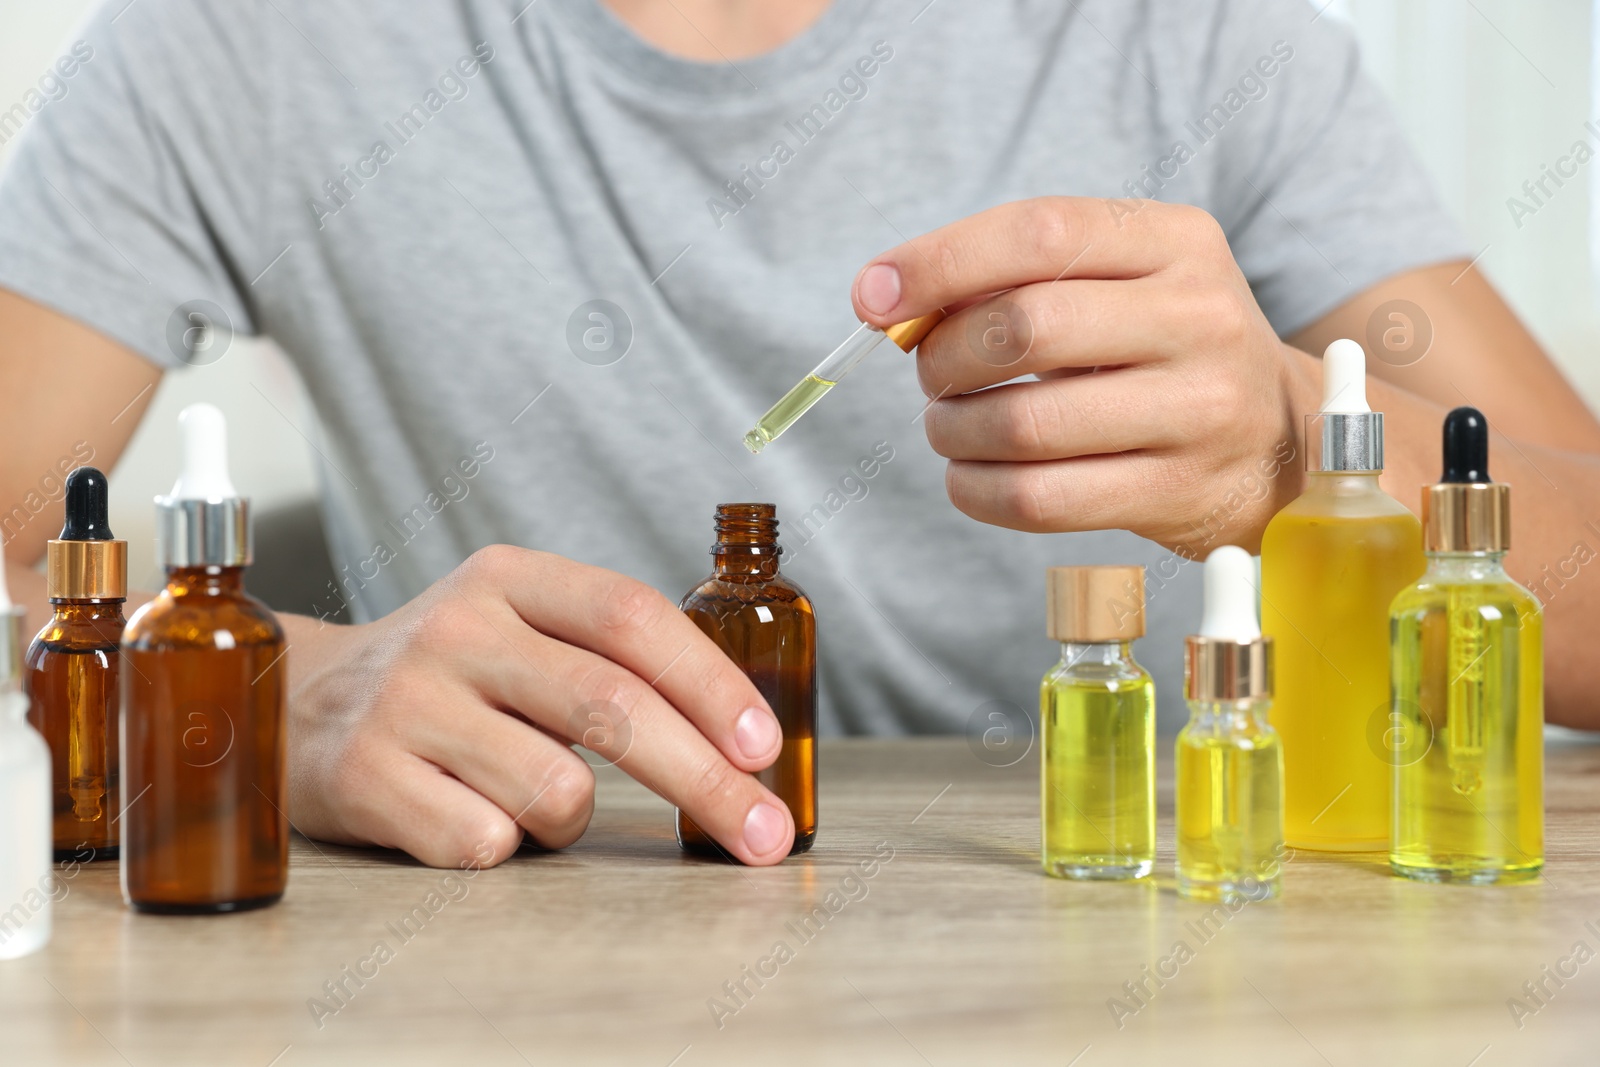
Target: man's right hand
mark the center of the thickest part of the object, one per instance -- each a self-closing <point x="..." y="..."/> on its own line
<point x="445" y="727"/>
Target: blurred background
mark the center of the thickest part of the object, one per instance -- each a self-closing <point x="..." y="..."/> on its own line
<point x="1490" y="91"/>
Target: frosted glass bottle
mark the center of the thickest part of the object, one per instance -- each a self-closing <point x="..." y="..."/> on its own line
<point x="25" y="816"/>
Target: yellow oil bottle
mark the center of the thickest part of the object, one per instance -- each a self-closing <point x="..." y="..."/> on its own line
<point x="1467" y="736"/>
<point x="1097" y="718"/>
<point x="1229" y="785"/>
<point x="1331" y="563"/>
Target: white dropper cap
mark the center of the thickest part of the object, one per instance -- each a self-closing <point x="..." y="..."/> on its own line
<point x="1229" y="659"/>
<point x="204" y="475"/>
<point x="203" y="522"/>
<point x="1344" y="379"/>
<point x="1230" y="596"/>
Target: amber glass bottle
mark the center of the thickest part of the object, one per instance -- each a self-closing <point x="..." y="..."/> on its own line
<point x="764" y="622"/>
<point x="204" y="732"/>
<point x="72" y="669"/>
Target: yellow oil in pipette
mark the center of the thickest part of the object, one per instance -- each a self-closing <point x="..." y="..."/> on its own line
<point x="827" y="374"/>
<point x="782" y="415"/>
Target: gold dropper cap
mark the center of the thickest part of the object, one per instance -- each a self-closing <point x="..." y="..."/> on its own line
<point x="1094" y="604"/>
<point x="909" y="334"/>
<point x="1466" y="518"/>
<point x="1229" y="659"/>
<point x="86" y="570"/>
<point x="1466" y="511"/>
<point x="86" y="562"/>
<point x="1217" y="669"/>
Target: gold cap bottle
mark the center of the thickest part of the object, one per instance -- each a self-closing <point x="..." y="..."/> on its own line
<point x="1094" y="604"/>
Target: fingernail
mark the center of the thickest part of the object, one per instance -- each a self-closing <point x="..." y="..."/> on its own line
<point x="756" y="733"/>
<point x="879" y="288"/>
<point x="764" y="829"/>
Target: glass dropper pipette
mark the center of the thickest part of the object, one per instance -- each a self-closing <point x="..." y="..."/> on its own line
<point x="825" y="375"/>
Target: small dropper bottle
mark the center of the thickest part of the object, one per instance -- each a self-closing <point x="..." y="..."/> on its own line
<point x="1230" y="766"/>
<point x="73" y="670"/>
<point x="1331" y="563"/>
<point x="1466" y="731"/>
<point x="765" y="624"/>
<point x="1097" y="725"/>
<point x="204" y="731"/>
<point x="25" y="889"/>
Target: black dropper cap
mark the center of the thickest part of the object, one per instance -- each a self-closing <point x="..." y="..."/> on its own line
<point x="1466" y="512"/>
<point x="87" y="506"/>
<point x="1466" y="447"/>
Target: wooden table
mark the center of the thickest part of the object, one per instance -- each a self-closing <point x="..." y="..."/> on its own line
<point x="955" y="950"/>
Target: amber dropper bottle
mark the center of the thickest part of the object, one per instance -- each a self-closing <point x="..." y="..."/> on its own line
<point x="764" y="622"/>
<point x="73" y="669"/>
<point x="204" y="732"/>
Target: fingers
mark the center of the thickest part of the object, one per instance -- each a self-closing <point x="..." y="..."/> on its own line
<point x="1092" y="493"/>
<point x="1110" y="413"/>
<point x="537" y="780"/>
<point x="1037" y="329"/>
<point x="1024" y="242"/>
<point x="576" y="637"/>
<point x="662" y="749"/>
<point x="637" y="628"/>
<point x="417" y="807"/>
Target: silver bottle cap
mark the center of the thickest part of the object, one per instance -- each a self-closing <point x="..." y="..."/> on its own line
<point x="1345" y="441"/>
<point x="204" y="533"/>
<point x="203" y="522"/>
<point x="1346" y="435"/>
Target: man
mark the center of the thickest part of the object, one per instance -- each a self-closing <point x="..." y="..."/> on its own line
<point x="576" y="248"/>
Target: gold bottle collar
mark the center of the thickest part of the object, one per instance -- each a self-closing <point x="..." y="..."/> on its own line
<point x="1215" y="669"/>
<point x="1466" y="517"/>
<point x="86" y="570"/>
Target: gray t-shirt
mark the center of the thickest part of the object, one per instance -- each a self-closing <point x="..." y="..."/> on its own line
<point x="422" y="202"/>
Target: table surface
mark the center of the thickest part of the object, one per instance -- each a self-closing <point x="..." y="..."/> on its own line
<point x="955" y="949"/>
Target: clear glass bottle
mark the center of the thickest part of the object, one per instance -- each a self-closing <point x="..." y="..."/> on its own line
<point x="1467" y="734"/>
<point x="25" y="825"/>
<point x="73" y="671"/>
<point x="764" y="622"/>
<point x="1097" y="712"/>
<point x="1229" y="762"/>
<point x="204" y="730"/>
<point x="1331" y="562"/>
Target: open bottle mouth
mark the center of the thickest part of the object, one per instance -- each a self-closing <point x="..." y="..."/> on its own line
<point x="747" y="529"/>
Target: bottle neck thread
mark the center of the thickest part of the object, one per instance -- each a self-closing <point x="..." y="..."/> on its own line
<point x="747" y="540"/>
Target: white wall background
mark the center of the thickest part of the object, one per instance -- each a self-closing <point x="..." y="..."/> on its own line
<point x="1490" y="90"/>
<point x="252" y="383"/>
